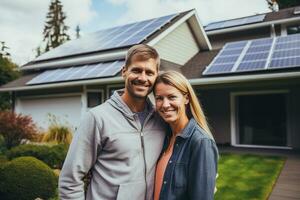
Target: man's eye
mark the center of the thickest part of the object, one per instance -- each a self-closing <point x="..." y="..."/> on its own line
<point x="150" y="73"/>
<point x="158" y="98"/>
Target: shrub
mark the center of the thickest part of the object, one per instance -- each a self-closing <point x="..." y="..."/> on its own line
<point x="27" y="178"/>
<point x="57" y="133"/>
<point x="16" y="127"/>
<point x="53" y="156"/>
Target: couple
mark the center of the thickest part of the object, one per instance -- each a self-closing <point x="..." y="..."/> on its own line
<point x="135" y="153"/>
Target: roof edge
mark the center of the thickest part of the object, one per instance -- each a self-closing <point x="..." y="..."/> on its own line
<point x="251" y="26"/>
<point x="243" y="78"/>
<point x="64" y="84"/>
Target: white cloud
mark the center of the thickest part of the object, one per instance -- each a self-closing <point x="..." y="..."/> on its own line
<point x="208" y="11"/>
<point x="22" y="23"/>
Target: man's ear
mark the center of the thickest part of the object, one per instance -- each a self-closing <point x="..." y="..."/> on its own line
<point x="124" y="71"/>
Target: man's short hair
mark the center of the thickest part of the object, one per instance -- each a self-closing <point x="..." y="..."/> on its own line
<point x="141" y="52"/>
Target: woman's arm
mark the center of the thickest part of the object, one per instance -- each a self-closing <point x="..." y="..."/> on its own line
<point x="202" y="170"/>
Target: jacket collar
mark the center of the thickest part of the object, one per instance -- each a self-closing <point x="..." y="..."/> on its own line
<point x="188" y="129"/>
<point x="117" y="102"/>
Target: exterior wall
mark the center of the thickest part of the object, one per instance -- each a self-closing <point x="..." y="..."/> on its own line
<point x="215" y="104"/>
<point x="179" y="46"/>
<point x="219" y="40"/>
<point x="67" y="109"/>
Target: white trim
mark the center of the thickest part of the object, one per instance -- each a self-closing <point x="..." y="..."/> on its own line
<point x="251" y="26"/>
<point x="233" y="117"/>
<point x="262" y="146"/>
<point x="178" y="23"/>
<point x="66" y="84"/>
<point x="242" y="78"/>
<point x="108" y="88"/>
<point x="84" y="100"/>
<point x="49" y="96"/>
<point x="80" y="60"/>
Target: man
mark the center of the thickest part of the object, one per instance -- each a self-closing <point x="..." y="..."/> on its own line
<point x="119" y="141"/>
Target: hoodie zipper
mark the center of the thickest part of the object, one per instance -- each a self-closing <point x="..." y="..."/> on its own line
<point x="143" y="150"/>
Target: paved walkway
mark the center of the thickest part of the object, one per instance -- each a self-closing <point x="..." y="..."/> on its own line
<point x="287" y="186"/>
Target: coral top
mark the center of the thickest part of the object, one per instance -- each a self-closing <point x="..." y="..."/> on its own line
<point x="160" y="170"/>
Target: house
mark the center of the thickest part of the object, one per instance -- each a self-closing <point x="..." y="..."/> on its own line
<point x="246" y="73"/>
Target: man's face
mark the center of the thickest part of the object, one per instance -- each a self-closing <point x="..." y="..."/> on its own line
<point x="140" y="77"/>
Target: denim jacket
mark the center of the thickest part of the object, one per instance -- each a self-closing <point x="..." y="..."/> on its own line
<point x="192" y="168"/>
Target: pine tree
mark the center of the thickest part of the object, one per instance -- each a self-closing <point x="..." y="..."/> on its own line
<point x="3" y="50"/>
<point x="8" y="72"/>
<point x="55" y="30"/>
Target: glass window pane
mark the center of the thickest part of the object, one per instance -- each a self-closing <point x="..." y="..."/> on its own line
<point x="94" y="99"/>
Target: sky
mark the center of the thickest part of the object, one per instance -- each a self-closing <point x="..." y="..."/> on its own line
<point x="22" y="22"/>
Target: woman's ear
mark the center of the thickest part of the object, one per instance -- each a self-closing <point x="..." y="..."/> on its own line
<point x="187" y="99"/>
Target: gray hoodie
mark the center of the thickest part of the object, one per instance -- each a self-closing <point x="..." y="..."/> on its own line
<point x="120" y="153"/>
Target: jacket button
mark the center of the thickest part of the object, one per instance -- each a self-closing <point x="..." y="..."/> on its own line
<point x="170" y="161"/>
<point x="165" y="182"/>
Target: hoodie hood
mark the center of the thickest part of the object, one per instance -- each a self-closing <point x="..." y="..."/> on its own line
<point x="117" y="102"/>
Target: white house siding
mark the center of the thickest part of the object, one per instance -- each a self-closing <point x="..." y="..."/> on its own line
<point x="67" y="109"/>
<point x="178" y="46"/>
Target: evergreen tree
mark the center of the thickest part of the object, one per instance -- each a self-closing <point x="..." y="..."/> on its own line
<point x="3" y="48"/>
<point x="8" y="72"/>
<point x="282" y="4"/>
<point x="55" y="30"/>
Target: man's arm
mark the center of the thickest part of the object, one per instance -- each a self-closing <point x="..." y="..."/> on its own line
<point x="203" y="170"/>
<point x="80" y="159"/>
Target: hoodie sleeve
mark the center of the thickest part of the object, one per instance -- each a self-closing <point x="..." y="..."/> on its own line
<point x="203" y="170"/>
<point x="80" y="159"/>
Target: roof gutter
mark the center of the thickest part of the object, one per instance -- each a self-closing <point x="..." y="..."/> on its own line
<point x="251" y="26"/>
<point x="65" y="84"/>
<point x="243" y="78"/>
<point x="85" y="59"/>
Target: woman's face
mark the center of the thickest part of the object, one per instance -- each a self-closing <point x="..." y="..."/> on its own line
<point x="170" y="103"/>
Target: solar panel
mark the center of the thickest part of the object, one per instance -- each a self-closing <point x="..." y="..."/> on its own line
<point x="89" y="71"/>
<point x="260" y="54"/>
<point x="116" y="37"/>
<point x="235" y="22"/>
<point x="297" y="10"/>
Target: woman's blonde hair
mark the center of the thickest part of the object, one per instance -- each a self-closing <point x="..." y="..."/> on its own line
<point x="194" y="109"/>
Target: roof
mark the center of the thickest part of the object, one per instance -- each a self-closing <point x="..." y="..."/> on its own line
<point x="283" y="14"/>
<point x="110" y="54"/>
<point x="21" y="83"/>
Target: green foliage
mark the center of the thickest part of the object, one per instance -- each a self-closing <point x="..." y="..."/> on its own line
<point x="55" y="28"/>
<point x="27" y="178"/>
<point x="8" y="72"/>
<point x="247" y="176"/>
<point x="53" y="156"/>
<point x="57" y="133"/>
<point x="16" y="127"/>
<point x="288" y="3"/>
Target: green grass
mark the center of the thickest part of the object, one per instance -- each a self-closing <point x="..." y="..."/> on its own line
<point x="247" y="176"/>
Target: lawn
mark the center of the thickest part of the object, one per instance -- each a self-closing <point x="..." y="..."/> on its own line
<point x="247" y="176"/>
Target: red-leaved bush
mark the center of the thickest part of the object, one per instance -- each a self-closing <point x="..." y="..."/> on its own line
<point x="16" y="127"/>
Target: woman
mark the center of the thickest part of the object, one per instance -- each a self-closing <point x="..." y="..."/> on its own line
<point x="187" y="167"/>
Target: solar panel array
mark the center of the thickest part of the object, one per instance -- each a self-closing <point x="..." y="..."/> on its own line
<point x="235" y="22"/>
<point x="259" y="54"/>
<point x="116" y="37"/>
<point x="89" y="71"/>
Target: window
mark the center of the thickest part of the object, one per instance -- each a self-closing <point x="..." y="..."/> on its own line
<point x="293" y="29"/>
<point x="112" y="88"/>
<point x="94" y="99"/>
